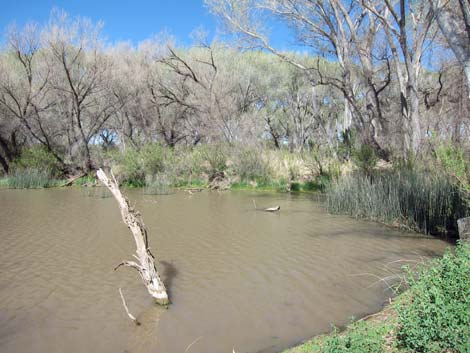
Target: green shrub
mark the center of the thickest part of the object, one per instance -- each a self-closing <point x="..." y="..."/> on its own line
<point x="436" y="318"/>
<point x="295" y="186"/>
<point x="128" y="167"/>
<point x="250" y="165"/>
<point x="85" y="180"/>
<point x="154" y="158"/>
<point x="39" y="160"/>
<point x="453" y="161"/>
<point x="362" y="337"/>
<point x="215" y="157"/>
<point x="186" y="165"/>
<point x="365" y="159"/>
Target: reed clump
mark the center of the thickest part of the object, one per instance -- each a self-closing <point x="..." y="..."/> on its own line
<point x="413" y="199"/>
<point x="158" y="184"/>
<point x="30" y="179"/>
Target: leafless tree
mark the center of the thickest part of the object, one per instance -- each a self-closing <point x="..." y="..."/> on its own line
<point x="341" y="30"/>
<point x="80" y="81"/>
<point x="453" y="17"/>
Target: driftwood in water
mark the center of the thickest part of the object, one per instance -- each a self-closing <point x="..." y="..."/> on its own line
<point x="145" y="264"/>
<point x="71" y="180"/>
<point x="269" y="209"/>
<point x="132" y="317"/>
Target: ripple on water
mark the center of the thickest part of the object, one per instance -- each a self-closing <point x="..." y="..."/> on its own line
<point x="237" y="277"/>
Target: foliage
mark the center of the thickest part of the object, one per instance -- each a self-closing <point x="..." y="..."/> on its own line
<point x="186" y="165"/>
<point x="215" y="157"/>
<point x="128" y="166"/>
<point x="153" y="157"/>
<point x="365" y="159"/>
<point x="455" y="163"/>
<point x="409" y="198"/>
<point x="346" y="144"/>
<point x="436" y="316"/>
<point x="250" y="164"/>
<point x="37" y="158"/>
<point x="362" y="338"/>
<point x="204" y="96"/>
<point x="85" y="180"/>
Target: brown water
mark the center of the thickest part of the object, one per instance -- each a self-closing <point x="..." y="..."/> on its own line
<point x="238" y="278"/>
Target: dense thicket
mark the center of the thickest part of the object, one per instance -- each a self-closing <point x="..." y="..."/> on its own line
<point x="64" y="88"/>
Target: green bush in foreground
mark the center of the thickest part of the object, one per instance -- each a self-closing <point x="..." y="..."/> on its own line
<point x="365" y="338"/>
<point x="436" y="316"/>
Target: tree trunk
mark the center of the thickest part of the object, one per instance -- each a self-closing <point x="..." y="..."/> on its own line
<point x="4" y="164"/>
<point x="467" y="74"/>
<point x="146" y="265"/>
<point x="415" y="120"/>
<point x="459" y="42"/>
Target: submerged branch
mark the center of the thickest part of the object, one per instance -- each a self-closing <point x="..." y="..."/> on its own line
<point x="146" y="265"/>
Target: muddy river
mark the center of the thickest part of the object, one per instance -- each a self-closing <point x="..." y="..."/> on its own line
<point x="238" y="278"/>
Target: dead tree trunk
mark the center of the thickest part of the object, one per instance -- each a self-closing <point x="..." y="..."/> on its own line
<point x="146" y="261"/>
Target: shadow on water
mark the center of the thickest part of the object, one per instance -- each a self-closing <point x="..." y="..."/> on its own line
<point x="168" y="274"/>
<point x="144" y="338"/>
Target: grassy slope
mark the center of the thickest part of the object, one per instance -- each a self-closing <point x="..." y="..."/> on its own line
<point x="375" y="333"/>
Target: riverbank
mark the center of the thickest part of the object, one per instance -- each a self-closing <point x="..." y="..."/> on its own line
<point x="272" y="186"/>
<point x="432" y="315"/>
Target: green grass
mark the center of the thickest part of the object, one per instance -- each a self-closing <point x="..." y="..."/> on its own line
<point x="190" y="183"/>
<point x="31" y="179"/>
<point x="280" y="186"/>
<point x="374" y="335"/>
<point x="85" y="180"/>
<point x="3" y="182"/>
<point x="361" y="337"/>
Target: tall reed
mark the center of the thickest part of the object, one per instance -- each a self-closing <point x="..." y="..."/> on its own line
<point x="30" y="179"/>
<point x="407" y="198"/>
<point x="158" y="184"/>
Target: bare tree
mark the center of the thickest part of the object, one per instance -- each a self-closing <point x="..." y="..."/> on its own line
<point x="80" y="79"/>
<point x="342" y="31"/>
<point x="453" y="17"/>
<point x="406" y="25"/>
<point x="24" y="89"/>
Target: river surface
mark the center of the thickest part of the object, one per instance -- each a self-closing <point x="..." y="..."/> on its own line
<point x="238" y="278"/>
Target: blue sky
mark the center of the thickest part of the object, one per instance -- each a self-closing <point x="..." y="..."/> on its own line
<point x="128" y="20"/>
<point x="123" y="20"/>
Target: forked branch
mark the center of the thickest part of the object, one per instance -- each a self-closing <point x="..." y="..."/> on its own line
<point x="145" y="260"/>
